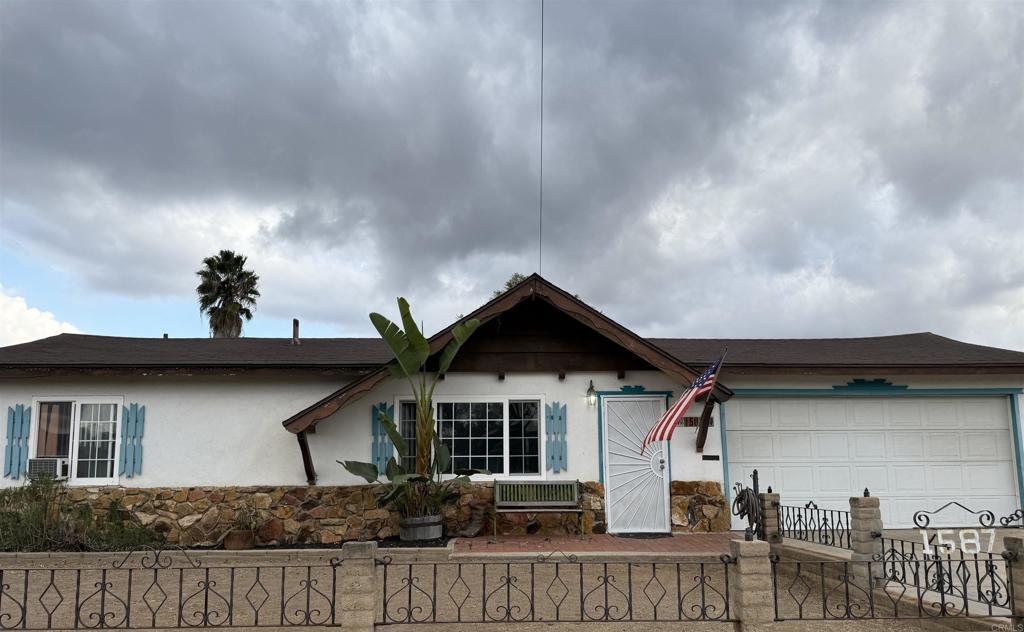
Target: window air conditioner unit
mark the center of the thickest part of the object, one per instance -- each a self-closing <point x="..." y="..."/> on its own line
<point x="56" y="469"/>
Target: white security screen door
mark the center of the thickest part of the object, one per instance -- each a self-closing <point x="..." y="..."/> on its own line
<point x="636" y="487"/>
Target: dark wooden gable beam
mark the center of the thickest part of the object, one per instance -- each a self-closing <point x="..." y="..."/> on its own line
<point x="532" y="287"/>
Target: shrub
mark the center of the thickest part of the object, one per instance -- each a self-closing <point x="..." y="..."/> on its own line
<point x="38" y="517"/>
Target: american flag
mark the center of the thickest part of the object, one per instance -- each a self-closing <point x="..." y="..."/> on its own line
<point x="662" y="431"/>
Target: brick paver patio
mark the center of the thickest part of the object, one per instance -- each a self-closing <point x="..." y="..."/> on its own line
<point x="695" y="543"/>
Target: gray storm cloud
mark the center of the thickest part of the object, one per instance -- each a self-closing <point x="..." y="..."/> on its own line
<point x="710" y="168"/>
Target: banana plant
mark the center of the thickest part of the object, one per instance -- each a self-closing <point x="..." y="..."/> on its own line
<point x="408" y="489"/>
<point x="412" y="493"/>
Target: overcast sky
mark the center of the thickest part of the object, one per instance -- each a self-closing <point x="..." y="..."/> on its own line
<point x="758" y="169"/>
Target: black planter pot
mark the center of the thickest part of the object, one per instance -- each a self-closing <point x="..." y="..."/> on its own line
<point x="421" y="528"/>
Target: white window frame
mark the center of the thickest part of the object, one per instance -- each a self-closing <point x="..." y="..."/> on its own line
<point x="504" y="400"/>
<point x="76" y="402"/>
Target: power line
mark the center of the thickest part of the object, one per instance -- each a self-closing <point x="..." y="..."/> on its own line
<point x="540" y="212"/>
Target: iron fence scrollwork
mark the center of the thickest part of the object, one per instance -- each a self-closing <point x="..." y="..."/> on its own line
<point x="554" y="587"/>
<point x="151" y="588"/>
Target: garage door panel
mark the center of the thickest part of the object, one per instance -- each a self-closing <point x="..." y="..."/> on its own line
<point x="942" y="445"/>
<point x="795" y="415"/>
<point x="875" y="478"/>
<point x="913" y="453"/>
<point x="945" y="478"/>
<point x="798" y="479"/>
<point x="906" y="445"/>
<point x="869" y="445"/>
<point x="753" y="414"/>
<point x="904" y="414"/>
<point x="868" y="414"/>
<point x="756" y="446"/>
<point x="986" y="477"/>
<point x="791" y="445"/>
<point x="984" y="414"/>
<point x="829" y="414"/>
<point x="909" y="478"/>
<point x="832" y="445"/>
<point x="941" y="414"/>
<point x="835" y="479"/>
<point x="987" y="445"/>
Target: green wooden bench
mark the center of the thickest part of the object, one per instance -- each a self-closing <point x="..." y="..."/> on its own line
<point x="536" y="497"/>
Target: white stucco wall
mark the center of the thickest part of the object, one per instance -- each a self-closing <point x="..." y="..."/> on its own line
<point x="226" y="430"/>
<point x="334" y="437"/>
<point x="200" y="430"/>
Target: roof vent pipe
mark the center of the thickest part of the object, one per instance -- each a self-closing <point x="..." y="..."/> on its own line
<point x="165" y="336"/>
<point x="295" y="331"/>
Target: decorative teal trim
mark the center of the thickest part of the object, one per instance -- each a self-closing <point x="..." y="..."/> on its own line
<point x="877" y="383"/>
<point x="19" y="425"/>
<point x="633" y="389"/>
<point x="725" y="456"/>
<point x="555" y="430"/>
<point x="133" y="427"/>
<point x="381" y="448"/>
<point x="1017" y="449"/>
<point x="600" y="422"/>
<point x="875" y="391"/>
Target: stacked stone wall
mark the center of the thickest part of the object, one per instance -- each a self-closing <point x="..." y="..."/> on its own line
<point x="201" y="516"/>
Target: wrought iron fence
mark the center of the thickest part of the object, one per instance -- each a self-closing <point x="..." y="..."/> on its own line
<point x="168" y="589"/>
<point x="830" y="527"/>
<point x="979" y="577"/>
<point x="820" y="590"/>
<point x="553" y="588"/>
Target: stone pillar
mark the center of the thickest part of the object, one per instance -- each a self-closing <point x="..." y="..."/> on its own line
<point x="750" y="582"/>
<point x="357" y="587"/>
<point x="1014" y="545"/>
<point x="865" y="534"/>
<point x="770" y="517"/>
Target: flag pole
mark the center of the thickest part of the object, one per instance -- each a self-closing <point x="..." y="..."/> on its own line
<point x="709" y="405"/>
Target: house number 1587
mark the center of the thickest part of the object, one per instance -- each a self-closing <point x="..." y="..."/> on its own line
<point x="947" y="540"/>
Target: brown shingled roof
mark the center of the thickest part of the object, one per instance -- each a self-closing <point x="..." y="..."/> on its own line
<point x="78" y="350"/>
<point x="904" y="350"/>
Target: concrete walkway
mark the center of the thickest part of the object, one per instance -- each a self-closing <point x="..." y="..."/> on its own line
<point x="678" y="544"/>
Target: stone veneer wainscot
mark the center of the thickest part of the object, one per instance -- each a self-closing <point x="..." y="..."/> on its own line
<point x="201" y="516"/>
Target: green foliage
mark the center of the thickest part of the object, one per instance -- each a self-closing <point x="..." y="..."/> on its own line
<point x="227" y="293"/>
<point x="38" y="517"/>
<point x="410" y="493"/>
<point x="412" y="350"/>
<point x="424" y="490"/>
<point x="513" y="281"/>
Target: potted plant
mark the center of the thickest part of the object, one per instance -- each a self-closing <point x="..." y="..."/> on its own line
<point x="418" y="494"/>
<point x="242" y="535"/>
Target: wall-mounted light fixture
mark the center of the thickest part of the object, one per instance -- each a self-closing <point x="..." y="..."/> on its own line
<point x="591" y="394"/>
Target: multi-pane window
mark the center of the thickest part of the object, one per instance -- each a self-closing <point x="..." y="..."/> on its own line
<point x="524" y="437"/>
<point x="484" y="435"/>
<point x="474" y="432"/>
<point x="407" y="428"/>
<point x="97" y="433"/>
<point x="85" y="432"/>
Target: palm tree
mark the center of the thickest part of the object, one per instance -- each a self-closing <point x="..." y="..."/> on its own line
<point x="227" y="293"/>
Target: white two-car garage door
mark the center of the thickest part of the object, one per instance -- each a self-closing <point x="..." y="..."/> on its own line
<point x="914" y="453"/>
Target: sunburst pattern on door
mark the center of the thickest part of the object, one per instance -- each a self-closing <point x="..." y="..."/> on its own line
<point x="636" y="485"/>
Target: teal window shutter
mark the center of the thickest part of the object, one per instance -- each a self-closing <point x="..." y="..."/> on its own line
<point x="382" y="449"/>
<point x="133" y="423"/>
<point x="19" y="425"/>
<point x="555" y="429"/>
